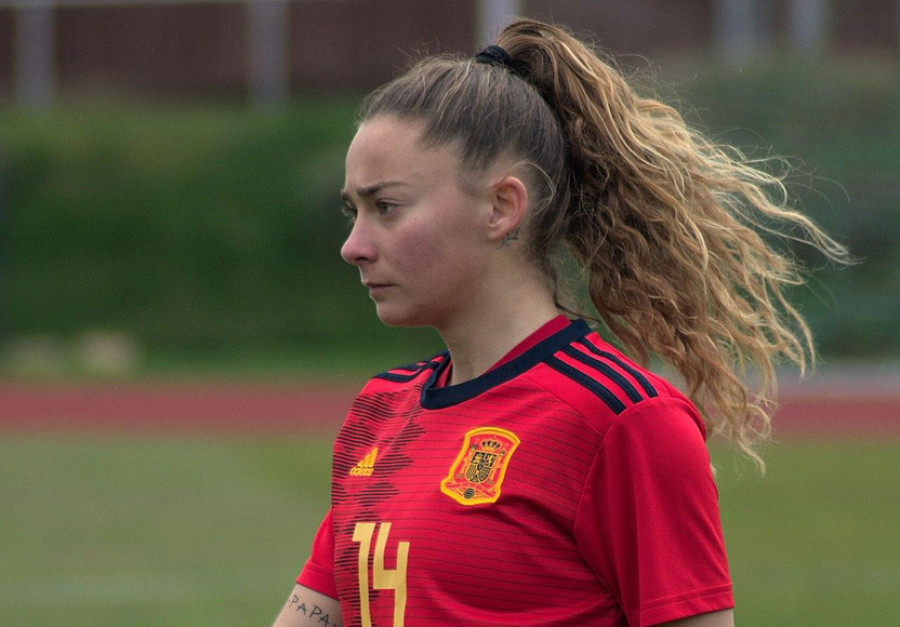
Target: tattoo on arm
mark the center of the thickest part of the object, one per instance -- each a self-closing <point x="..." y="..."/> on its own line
<point x="315" y="613"/>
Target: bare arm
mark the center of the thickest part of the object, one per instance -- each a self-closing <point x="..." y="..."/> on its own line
<point x="308" y="608"/>
<point x="724" y="618"/>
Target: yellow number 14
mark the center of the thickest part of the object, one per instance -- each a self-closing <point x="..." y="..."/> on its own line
<point x="382" y="579"/>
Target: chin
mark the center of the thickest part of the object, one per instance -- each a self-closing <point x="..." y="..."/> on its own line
<point x="397" y="317"/>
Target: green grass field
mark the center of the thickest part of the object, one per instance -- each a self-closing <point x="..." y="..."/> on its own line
<point x="160" y="530"/>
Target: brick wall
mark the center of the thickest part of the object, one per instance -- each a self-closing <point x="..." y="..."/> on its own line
<point x="355" y="44"/>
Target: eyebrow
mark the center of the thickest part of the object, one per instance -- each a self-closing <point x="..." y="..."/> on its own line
<point x="371" y="190"/>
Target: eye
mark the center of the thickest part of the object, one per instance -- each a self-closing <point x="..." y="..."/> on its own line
<point x="385" y="207"/>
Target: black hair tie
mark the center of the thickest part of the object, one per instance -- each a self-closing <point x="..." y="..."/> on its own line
<point x="497" y="56"/>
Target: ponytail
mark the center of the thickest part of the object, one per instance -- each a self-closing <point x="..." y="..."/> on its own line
<point x="666" y="228"/>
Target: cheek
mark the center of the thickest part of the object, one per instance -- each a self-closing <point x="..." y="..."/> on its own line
<point x="453" y="259"/>
<point x="419" y="238"/>
<point x="416" y="249"/>
<point x="442" y="243"/>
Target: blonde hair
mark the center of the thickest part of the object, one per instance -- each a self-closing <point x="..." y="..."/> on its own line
<point x="666" y="225"/>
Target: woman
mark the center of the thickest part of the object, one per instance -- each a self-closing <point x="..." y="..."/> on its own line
<point x="532" y="474"/>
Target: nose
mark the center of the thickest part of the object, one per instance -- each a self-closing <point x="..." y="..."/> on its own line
<point x="359" y="247"/>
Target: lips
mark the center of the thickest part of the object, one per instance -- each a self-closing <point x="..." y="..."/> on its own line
<point x="375" y="288"/>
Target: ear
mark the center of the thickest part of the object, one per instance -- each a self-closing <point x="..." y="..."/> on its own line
<point x="509" y="202"/>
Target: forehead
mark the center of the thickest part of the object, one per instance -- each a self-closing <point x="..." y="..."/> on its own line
<point x="390" y="148"/>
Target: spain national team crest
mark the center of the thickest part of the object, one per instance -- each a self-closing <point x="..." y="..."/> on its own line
<point x="478" y="471"/>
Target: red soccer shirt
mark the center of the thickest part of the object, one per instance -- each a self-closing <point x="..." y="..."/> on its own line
<point x="567" y="486"/>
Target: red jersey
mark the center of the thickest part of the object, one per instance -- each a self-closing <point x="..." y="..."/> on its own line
<point x="566" y="486"/>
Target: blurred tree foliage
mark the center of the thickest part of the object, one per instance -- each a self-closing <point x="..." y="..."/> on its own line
<point x="216" y="229"/>
<point x="204" y="231"/>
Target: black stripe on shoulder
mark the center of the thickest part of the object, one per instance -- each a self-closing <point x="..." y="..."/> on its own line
<point x="640" y="378"/>
<point x="606" y="370"/>
<point x="403" y="374"/>
<point x="594" y="386"/>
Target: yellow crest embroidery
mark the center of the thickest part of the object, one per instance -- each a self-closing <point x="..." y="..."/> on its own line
<point x="478" y="471"/>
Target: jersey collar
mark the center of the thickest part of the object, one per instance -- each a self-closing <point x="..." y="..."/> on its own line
<point x="440" y="397"/>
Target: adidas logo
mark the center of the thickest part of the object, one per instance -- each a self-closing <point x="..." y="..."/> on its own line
<point x="366" y="465"/>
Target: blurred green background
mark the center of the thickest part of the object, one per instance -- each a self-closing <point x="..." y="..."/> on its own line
<point x="207" y="235"/>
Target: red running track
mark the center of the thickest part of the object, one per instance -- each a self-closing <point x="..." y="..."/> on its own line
<point x="838" y="406"/>
<point x="167" y="407"/>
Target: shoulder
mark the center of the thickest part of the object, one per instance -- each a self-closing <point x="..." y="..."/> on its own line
<point x="388" y="395"/>
<point x="606" y="387"/>
<point x="400" y="377"/>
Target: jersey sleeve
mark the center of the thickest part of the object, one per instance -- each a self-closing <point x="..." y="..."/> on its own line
<point x="318" y="572"/>
<point x="648" y="521"/>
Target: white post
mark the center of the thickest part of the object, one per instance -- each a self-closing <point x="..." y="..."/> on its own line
<point x="35" y="54"/>
<point x="267" y="39"/>
<point x="808" y="27"/>
<point x="492" y="16"/>
<point x="897" y="18"/>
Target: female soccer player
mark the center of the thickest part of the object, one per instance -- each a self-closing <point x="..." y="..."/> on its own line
<point x="533" y="474"/>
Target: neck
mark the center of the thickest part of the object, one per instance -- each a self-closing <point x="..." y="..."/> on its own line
<point x="492" y="330"/>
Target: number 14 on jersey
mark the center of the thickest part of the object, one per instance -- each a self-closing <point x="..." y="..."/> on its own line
<point x="382" y="578"/>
